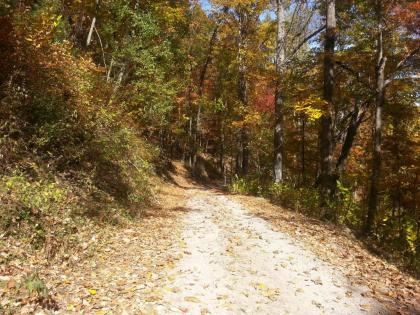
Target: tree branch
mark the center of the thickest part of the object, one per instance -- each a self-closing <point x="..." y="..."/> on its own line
<point x="353" y="72"/>
<point x="401" y="64"/>
<point x="102" y="46"/>
<point x="305" y="40"/>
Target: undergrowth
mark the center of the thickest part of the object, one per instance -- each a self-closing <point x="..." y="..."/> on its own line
<point x="390" y="240"/>
<point x="71" y="157"/>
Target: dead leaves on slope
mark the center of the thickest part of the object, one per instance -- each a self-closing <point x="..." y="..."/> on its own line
<point x="126" y="271"/>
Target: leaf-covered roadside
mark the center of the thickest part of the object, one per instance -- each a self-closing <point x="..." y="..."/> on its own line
<point x="116" y="269"/>
<point x="337" y="246"/>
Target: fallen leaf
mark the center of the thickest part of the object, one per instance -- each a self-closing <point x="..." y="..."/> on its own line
<point x="192" y="299"/>
<point x="365" y="307"/>
<point x="92" y="291"/>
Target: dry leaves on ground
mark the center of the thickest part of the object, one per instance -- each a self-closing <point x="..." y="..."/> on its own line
<point x="400" y="292"/>
<point x="118" y="270"/>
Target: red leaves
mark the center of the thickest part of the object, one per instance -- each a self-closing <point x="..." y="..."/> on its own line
<point x="265" y="102"/>
<point x="407" y="16"/>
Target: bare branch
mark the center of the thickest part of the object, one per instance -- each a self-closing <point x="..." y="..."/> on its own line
<point x="353" y="72"/>
<point x="305" y="40"/>
<point x="348" y="69"/>
<point x="401" y="65"/>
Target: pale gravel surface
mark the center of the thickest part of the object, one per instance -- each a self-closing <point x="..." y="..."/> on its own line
<point x="234" y="263"/>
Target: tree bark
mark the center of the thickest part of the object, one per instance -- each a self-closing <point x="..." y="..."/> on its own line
<point x="92" y="25"/>
<point x="302" y="150"/>
<point x="242" y="159"/>
<point x="279" y="99"/>
<point x="326" y="178"/>
<point x="377" y="129"/>
<point x="351" y="132"/>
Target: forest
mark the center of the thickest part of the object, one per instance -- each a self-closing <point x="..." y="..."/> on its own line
<point x="310" y="104"/>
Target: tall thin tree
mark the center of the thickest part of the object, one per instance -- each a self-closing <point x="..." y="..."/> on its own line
<point x="326" y="178"/>
<point x="377" y="128"/>
<point x="279" y="101"/>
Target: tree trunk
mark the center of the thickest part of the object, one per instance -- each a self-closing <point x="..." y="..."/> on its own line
<point x="356" y="120"/>
<point x="242" y="159"/>
<point x="377" y="129"/>
<point x="302" y="150"/>
<point x="222" y="148"/>
<point x="92" y="25"/>
<point x="190" y="126"/>
<point x="326" y="178"/>
<point x="278" y="124"/>
<point x="196" y="129"/>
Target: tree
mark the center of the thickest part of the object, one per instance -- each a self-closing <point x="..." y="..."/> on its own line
<point x="326" y="179"/>
<point x="279" y="98"/>
<point x="381" y="10"/>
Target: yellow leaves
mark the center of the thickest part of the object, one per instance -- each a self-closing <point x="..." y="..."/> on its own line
<point x="222" y="297"/>
<point x="241" y="3"/>
<point x="71" y="308"/>
<point x="92" y="291"/>
<point x="131" y="290"/>
<point x="192" y="299"/>
<point x="261" y="286"/>
<point x="57" y="20"/>
<point x="170" y="290"/>
<point x="250" y="119"/>
<point x="313" y="107"/>
<point x="172" y="16"/>
<point x="269" y="293"/>
<point x="148" y="275"/>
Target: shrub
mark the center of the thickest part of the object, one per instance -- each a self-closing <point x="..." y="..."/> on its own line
<point x="243" y="185"/>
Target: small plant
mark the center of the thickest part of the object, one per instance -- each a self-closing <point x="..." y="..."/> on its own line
<point x="35" y="285"/>
<point x="238" y="185"/>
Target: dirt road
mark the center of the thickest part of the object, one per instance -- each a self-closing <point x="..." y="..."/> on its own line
<point x="234" y="263"/>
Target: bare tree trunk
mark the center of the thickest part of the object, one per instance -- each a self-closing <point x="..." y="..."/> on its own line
<point x="278" y="127"/>
<point x="92" y="25"/>
<point x="326" y="178"/>
<point x="222" y="148"/>
<point x="377" y="129"/>
<point x="396" y="193"/>
<point x="190" y="126"/>
<point x="302" y="150"/>
<point x="109" y="72"/>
